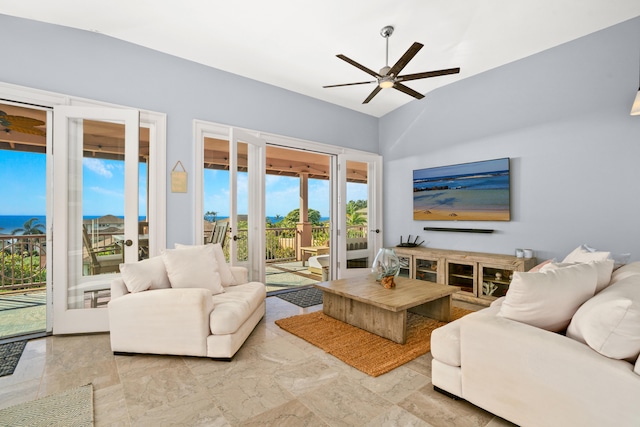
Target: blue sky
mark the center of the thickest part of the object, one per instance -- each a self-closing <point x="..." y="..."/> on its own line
<point x="24" y="188"/>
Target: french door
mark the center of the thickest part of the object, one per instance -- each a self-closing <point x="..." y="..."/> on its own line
<point x="359" y="212"/>
<point x="237" y="158"/>
<point x="95" y="208"/>
<point x="247" y="170"/>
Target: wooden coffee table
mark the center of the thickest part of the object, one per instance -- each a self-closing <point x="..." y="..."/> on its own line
<point x="365" y="303"/>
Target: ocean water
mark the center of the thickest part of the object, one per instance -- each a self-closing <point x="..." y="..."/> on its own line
<point x="8" y="223"/>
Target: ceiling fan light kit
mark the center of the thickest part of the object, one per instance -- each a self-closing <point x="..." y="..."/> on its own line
<point x="389" y="77"/>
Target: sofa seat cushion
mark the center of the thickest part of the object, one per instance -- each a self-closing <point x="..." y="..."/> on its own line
<point x="233" y="307"/>
<point x="445" y="340"/>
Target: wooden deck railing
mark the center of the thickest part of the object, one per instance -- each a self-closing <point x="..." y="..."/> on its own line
<point x="23" y="258"/>
<point x="23" y="261"/>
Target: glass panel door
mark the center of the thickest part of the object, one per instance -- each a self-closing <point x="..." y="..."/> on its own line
<point x="247" y="211"/>
<point x="360" y="223"/>
<point x="96" y="210"/>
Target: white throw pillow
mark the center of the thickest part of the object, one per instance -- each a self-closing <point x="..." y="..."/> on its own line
<point x="604" y="269"/>
<point x="223" y="268"/>
<point x="193" y="267"/>
<point x="581" y="254"/>
<point x="549" y="300"/>
<point x="609" y="322"/>
<point x="146" y="274"/>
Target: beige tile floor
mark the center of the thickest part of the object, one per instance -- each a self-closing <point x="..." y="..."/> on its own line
<point x="275" y="379"/>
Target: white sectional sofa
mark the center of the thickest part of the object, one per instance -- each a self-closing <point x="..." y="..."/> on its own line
<point x="179" y="304"/>
<point x="532" y="376"/>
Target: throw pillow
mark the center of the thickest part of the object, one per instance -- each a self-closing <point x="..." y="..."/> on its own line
<point x="223" y="268"/>
<point x="581" y="254"/>
<point x="193" y="267"/>
<point x="537" y="268"/>
<point x="146" y="274"/>
<point x="609" y="322"/>
<point x="549" y="300"/>
<point x="604" y="269"/>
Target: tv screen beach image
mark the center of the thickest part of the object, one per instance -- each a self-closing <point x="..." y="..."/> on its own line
<point x="477" y="191"/>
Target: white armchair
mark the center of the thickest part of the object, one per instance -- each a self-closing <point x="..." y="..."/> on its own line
<point x="187" y="321"/>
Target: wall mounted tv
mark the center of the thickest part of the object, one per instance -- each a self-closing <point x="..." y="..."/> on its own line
<point x="477" y="191"/>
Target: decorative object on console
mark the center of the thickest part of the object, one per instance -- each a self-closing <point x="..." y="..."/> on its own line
<point x="386" y="267"/>
<point x="477" y="191"/>
<point x="409" y="243"/>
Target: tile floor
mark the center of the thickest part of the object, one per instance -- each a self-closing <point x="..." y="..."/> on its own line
<point x="276" y="379"/>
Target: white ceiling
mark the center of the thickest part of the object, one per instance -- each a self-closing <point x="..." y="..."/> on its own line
<point x="292" y="43"/>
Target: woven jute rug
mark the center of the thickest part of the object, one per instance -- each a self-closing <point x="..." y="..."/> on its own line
<point x="70" y="408"/>
<point x="363" y="350"/>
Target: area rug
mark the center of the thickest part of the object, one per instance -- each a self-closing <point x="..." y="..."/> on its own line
<point x="363" y="350"/>
<point x="70" y="408"/>
<point x="303" y="297"/>
<point x="10" y="356"/>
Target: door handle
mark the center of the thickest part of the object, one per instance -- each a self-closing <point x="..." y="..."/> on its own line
<point x="235" y="238"/>
<point x="377" y="230"/>
<point x="128" y="242"/>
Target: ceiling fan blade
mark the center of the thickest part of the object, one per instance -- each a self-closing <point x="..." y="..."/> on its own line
<point x="428" y="74"/>
<point x="408" y="56"/>
<point x="372" y="94"/>
<point x="362" y="67"/>
<point x="351" y="84"/>
<point x="408" y="91"/>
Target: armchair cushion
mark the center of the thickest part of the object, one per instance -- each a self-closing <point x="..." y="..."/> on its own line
<point x="146" y="274"/>
<point x="226" y="276"/>
<point x="233" y="308"/>
<point x="193" y="267"/>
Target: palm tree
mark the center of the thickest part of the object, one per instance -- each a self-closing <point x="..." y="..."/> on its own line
<point x="30" y="226"/>
<point x="211" y="216"/>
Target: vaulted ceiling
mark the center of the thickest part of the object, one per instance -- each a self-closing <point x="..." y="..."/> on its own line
<point x="293" y="44"/>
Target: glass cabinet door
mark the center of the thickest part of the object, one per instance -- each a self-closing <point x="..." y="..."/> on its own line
<point x="426" y="269"/>
<point x="495" y="281"/>
<point x="462" y="275"/>
<point x="405" y="266"/>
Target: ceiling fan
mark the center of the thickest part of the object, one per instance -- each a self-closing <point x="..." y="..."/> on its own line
<point x="388" y="77"/>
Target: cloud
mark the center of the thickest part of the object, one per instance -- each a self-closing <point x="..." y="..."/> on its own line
<point x="98" y="166"/>
<point x="106" y="191"/>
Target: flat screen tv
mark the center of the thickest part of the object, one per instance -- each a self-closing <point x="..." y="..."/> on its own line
<point x="477" y="191"/>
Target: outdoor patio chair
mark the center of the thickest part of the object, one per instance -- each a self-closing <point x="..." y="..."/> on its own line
<point x="101" y="264"/>
<point x="219" y="233"/>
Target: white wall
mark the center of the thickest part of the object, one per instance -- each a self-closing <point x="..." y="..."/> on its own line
<point x="98" y="67"/>
<point x="562" y="116"/>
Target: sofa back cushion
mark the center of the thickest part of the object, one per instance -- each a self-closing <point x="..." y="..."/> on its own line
<point x="603" y="267"/>
<point x="193" y="267"/>
<point x="609" y="322"/>
<point x="223" y="268"/>
<point x="549" y="299"/>
<point x="146" y="274"/>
